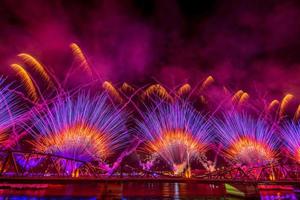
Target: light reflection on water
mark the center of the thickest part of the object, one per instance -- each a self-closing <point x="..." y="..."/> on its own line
<point x="137" y="190"/>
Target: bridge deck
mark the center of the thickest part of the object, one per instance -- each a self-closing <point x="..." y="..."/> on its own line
<point x="135" y="179"/>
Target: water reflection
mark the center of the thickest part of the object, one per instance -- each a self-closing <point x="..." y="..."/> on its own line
<point x="137" y="190"/>
<point x="275" y="195"/>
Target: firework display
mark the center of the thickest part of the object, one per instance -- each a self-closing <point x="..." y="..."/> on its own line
<point x="291" y="134"/>
<point x="247" y="141"/>
<point x="101" y="125"/>
<point x="82" y="128"/>
<point x="176" y="133"/>
<point x="11" y="111"/>
<point x="141" y="99"/>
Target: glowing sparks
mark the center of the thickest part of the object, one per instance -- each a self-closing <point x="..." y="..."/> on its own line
<point x="246" y="140"/>
<point x="249" y="150"/>
<point x="157" y="89"/>
<point x="176" y="133"/>
<point x="26" y="79"/>
<point x="245" y="96"/>
<point x="240" y="97"/>
<point x="237" y="96"/>
<point x="10" y="112"/>
<point x="284" y="103"/>
<point x="291" y="135"/>
<point x="79" y="135"/>
<point x="79" y="130"/>
<point x="273" y="104"/>
<point x="37" y="66"/>
<point x="80" y="57"/>
<point x="297" y="113"/>
<point x="127" y="88"/>
<point x="208" y="81"/>
<point x="179" y="145"/>
<point x="85" y="128"/>
<point x="112" y="91"/>
<point x="184" y="89"/>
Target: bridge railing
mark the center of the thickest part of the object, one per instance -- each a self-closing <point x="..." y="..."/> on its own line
<point x="19" y="163"/>
<point x="34" y="164"/>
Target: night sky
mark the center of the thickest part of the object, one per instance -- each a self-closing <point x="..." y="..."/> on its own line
<point x="252" y="45"/>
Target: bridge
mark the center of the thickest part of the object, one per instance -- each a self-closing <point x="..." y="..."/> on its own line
<point x="20" y="166"/>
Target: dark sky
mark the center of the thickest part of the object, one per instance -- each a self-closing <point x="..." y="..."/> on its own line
<point x="253" y="45"/>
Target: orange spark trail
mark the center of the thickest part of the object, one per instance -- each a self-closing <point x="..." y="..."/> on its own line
<point x="127" y="88"/>
<point x="184" y="89"/>
<point x="245" y="96"/>
<point x="284" y="103"/>
<point x="26" y="79"/>
<point x="37" y="66"/>
<point x="237" y="96"/>
<point x="297" y="113"/>
<point x="112" y="91"/>
<point x="273" y="103"/>
<point x="208" y="81"/>
<point x="80" y="57"/>
<point x="159" y="90"/>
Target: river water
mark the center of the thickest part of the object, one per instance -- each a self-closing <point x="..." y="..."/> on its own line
<point x="134" y="190"/>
